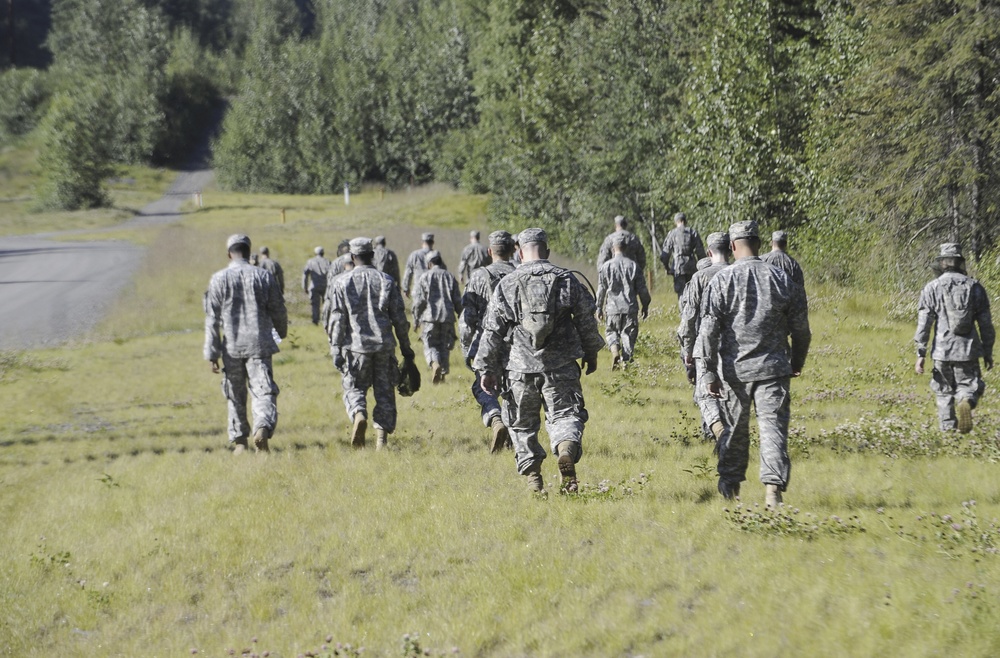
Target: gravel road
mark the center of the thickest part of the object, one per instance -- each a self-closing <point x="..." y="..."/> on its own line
<point x="52" y="291"/>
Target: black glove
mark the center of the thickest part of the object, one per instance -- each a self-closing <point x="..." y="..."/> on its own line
<point x="591" y="363"/>
<point x="407" y="353"/>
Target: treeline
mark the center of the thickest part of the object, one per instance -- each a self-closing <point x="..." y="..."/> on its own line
<point x="869" y="127"/>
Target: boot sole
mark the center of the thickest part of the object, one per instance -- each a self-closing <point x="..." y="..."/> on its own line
<point x="964" y="410"/>
<point x="567" y="471"/>
<point x="260" y="440"/>
<point x="501" y="437"/>
<point x="358" y="435"/>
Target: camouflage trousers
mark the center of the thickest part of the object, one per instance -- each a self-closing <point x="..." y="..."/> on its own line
<point x="378" y="371"/>
<point x="255" y="374"/>
<point x="316" y="296"/>
<point x="680" y="282"/>
<point x="709" y="407"/>
<point x="955" y="380"/>
<point x="622" y="329"/>
<point x="438" y="339"/>
<point x="772" y="401"/>
<point x="558" y="392"/>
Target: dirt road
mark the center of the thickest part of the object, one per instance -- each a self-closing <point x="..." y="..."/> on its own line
<point x="53" y="291"/>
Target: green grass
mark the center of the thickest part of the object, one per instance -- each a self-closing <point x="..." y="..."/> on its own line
<point x="130" y="530"/>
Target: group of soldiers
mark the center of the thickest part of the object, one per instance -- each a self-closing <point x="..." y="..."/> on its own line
<point x="529" y="330"/>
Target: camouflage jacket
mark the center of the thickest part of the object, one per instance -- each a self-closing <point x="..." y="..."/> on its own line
<point x="314" y="273"/>
<point x="476" y="299"/>
<point x="750" y="311"/>
<point x="692" y="307"/>
<point x="631" y="249"/>
<point x="242" y="306"/>
<point x="416" y="264"/>
<point x="538" y="341"/>
<point x="954" y="303"/>
<point x="365" y="307"/>
<point x="682" y="247"/>
<point x="473" y="257"/>
<point x="783" y="261"/>
<point x="385" y="260"/>
<point x="621" y="286"/>
<point x="437" y="297"/>
<point x="274" y="268"/>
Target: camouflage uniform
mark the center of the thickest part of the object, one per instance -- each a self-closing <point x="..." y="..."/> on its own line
<point x="750" y="310"/>
<point x="631" y="248"/>
<point x="416" y="264"/>
<point x="386" y="261"/>
<point x="620" y="288"/>
<point x="475" y="301"/>
<point x="543" y="375"/>
<point x="787" y="264"/>
<point x="243" y="309"/>
<point x="683" y="246"/>
<point x="314" y="282"/>
<point x="473" y="257"/>
<point x="437" y="302"/>
<point x="272" y="266"/>
<point x="954" y="303"/>
<point x="365" y="309"/>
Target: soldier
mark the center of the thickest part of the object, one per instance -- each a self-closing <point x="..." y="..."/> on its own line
<point x="476" y="299"/>
<point x="682" y="246"/>
<point x="547" y="318"/>
<point x="416" y="264"/>
<point x="314" y="281"/>
<point x="778" y="257"/>
<point x="386" y="260"/>
<point x="244" y="308"/>
<point x="749" y="312"/>
<point x="620" y="288"/>
<point x="632" y="247"/>
<point x="473" y="257"/>
<point x="272" y="266"/>
<point x="436" y="304"/>
<point x="339" y="264"/>
<point x="365" y="309"/>
<point x="955" y="303"/>
<point x="687" y="331"/>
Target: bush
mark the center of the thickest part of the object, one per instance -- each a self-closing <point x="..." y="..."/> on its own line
<point x="23" y="95"/>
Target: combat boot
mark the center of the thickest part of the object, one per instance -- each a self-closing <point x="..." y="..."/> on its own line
<point x="501" y="435"/>
<point x="381" y="438"/>
<point x="239" y="446"/>
<point x="729" y="490"/>
<point x="358" y="434"/>
<point x="533" y="476"/>
<point x="772" y="495"/>
<point x="567" y="467"/>
<point x="721" y="435"/>
<point x="438" y="373"/>
<point x="260" y="438"/>
<point x="964" y="412"/>
<point x="615" y="357"/>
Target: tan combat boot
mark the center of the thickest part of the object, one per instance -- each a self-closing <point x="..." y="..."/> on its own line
<point x="358" y="433"/>
<point x="964" y="411"/>
<point x="567" y="467"/>
<point x="438" y="372"/>
<point x="239" y="446"/>
<point x="501" y="435"/>
<point x="381" y="438"/>
<point x="772" y="495"/>
<point x="260" y="438"/>
<point x="533" y="476"/>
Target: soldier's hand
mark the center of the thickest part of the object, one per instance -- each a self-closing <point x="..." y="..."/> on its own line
<point x="714" y="389"/>
<point x="988" y="364"/>
<point x="489" y="383"/>
<point x="919" y="368"/>
<point x="691" y="373"/>
<point x="338" y="362"/>
<point x="215" y="366"/>
<point x="645" y="312"/>
<point x="591" y="363"/>
<point x="796" y="373"/>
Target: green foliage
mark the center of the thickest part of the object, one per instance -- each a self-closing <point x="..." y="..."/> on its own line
<point x="23" y="95"/>
<point x="790" y="522"/>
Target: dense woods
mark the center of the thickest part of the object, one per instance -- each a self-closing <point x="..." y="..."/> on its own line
<point x="868" y="127"/>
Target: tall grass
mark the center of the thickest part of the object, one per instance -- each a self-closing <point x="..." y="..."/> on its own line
<point x="130" y="530"/>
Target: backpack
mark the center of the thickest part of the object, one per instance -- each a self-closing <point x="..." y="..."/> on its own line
<point x="538" y="296"/>
<point x="957" y="294"/>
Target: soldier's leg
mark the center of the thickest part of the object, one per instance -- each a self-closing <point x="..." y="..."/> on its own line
<point x="629" y="334"/>
<point x="385" y="376"/>
<point x="611" y="336"/>
<point x="358" y="376"/>
<point x="943" y="385"/>
<point x="772" y="401"/>
<point x="264" y="393"/>
<point x="234" y="388"/>
<point x="735" y="455"/>
<point x="565" y="413"/>
<point x="316" y="299"/>
<point x="680" y="281"/>
<point x="969" y="384"/>
<point x="523" y="404"/>
<point x="489" y="404"/>
<point x="427" y="338"/>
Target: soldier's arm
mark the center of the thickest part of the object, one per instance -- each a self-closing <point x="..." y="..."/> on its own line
<point x="642" y="290"/>
<point x="666" y="253"/>
<point x="798" y="328"/>
<point x="603" y="255"/>
<point x="456" y="297"/>
<point x="496" y="324"/>
<point x="408" y="275"/>
<point x="706" y="345"/>
<point x="213" y="331"/>
<point x="699" y="247"/>
<point x="985" y="321"/>
<point x="584" y="317"/>
<point x="397" y="315"/>
<point x="305" y="278"/>
<point x="338" y="323"/>
<point x="276" y="307"/>
<point x="640" y="255"/>
<point x="686" y="329"/>
<point x="926" y="317"/>
<point x="602" y="291"/>
<point x="419" y="300"/>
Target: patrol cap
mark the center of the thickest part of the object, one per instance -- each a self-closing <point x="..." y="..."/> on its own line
<point x="706" y="262"/>
<point x="501" y="239"/>
<point x="779" y="236"/>
<point x="318" y="251"/>
<point x="265" y="251"/>
<point x="680" y="217"/>
<point x="744" y="230"/>
<point x="432" y="256"/>
<point x="529" y="235"/>
<point x="950" y="250"/>
<point x="427" y="237"/>
<point x="237" y="238"/>
<point x="379" y="241"/>
<point x="361" y="246"/>
<point x="717" y="239"/>
<point x="474" y="234"/>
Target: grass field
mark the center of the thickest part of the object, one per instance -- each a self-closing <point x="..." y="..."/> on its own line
<point x="130" y="529"/>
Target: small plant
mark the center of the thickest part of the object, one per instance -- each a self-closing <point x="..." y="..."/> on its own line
<point x="45" y="560"/>
<point x="960" y="536"/>
<point x="108" y="481"/>
<point x="701" y="469"/>
<point x="413" y="649"/>
<point x="789" y="522"/>
<point x="606" y="490"/>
